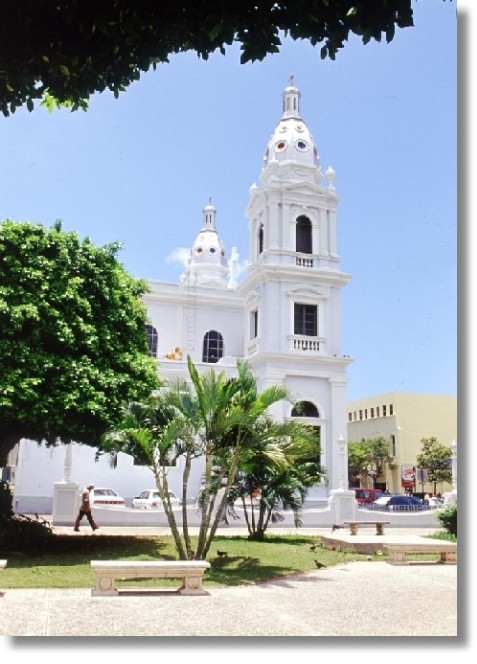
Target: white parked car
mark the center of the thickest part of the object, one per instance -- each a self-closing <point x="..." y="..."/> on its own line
<point x="435" y="502"/>
<point x="382" y="500"/>
<point x="151" y="499"/>
<point x="102" y="497"/>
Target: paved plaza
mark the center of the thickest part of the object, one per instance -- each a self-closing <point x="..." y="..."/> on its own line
<point x="372" y="599"/>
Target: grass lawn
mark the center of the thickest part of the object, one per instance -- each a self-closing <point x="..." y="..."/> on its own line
<point x="66" y="563"/>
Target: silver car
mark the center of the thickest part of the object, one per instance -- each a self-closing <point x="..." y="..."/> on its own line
<point x="102" y="497"/>
<point x="151" y="499"/>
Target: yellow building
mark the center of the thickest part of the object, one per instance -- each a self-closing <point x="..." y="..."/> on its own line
<point x="404" y="419"/>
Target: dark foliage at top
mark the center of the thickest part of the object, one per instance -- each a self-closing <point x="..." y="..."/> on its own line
<point x="65" y="51"/>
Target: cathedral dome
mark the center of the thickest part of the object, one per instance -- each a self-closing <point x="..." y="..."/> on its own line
<point x="208" y="261"/>
<point x="291" y="140"/>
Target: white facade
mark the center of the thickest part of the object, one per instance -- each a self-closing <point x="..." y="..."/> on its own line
<point x="284" y="317"/>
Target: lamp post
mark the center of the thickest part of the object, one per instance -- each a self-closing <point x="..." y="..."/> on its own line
<point x="454" y="466"/>
<point x="343" y="503"/>
<point x="68" y="463"/>
<point x="342" y="457"/>
<point x="451" y="497"/>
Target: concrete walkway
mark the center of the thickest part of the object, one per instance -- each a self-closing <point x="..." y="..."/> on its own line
<point x="354" y="599"/>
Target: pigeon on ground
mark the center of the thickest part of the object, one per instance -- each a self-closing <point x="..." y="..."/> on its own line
<point x="222" y="554"/>
<point x="319" y="565"/>
<point x="313" y="547"/>
<point x="335" y="526"/>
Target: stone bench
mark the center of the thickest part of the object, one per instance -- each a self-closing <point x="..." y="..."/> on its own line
<point x="397" y="552"/>
<point x="354" y="525"/>
<point x="190" y="571"/>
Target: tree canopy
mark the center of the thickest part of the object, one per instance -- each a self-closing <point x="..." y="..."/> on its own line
<point x="65" y="51"/>
<point x="367" y="458"/>
<point x="435" y="458"/>
<point x="73" y="343"/>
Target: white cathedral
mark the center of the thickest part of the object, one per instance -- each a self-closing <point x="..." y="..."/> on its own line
<point x="283" y="317"/>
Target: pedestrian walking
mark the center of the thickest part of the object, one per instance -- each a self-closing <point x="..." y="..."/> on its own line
<point x="85" y="509"/>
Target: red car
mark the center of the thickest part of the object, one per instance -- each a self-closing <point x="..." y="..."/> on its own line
<point x="367" y="496"/>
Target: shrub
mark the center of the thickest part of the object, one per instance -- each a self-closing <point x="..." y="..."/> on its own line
<point x="24" y="534"/>
<point x="448" y="519"/>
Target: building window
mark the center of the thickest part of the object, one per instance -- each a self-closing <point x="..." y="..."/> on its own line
<point x="305" y="409"/>
<point x="360" y="414"/>
<point x="365" y="413"/>
<point x="213" y="347"/>
<point x="260" y="239"/>
<point x="372" y="412"/>
<point x="384" y="411"/>
<point x="303" y="235"/>
<point x="350" y="417"/>
<point x="377" y="411"/>
<point x="254" y="324"/>
<point x="391" y="409"/>
<point x="152" y="338"/>
<point x="306" y="320"/>
<point x="393" y="445"/>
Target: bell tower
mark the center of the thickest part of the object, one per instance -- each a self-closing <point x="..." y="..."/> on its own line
<point x="293" y="284"/>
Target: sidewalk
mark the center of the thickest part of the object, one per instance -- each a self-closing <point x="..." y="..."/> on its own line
<point x="353" y="599"/>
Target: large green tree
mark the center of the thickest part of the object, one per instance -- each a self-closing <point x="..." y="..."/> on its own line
<point x="73" y="344"/>
<point x="435" y="458"/>
<point x="367" y="459"/>
<point x="66" y="50"/>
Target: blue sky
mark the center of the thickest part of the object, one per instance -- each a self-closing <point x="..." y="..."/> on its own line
<point x="140" y="169"/>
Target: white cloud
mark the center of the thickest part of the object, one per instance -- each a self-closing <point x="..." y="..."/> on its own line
<point x="179" y="256"/>
<point x="240" y="268"/>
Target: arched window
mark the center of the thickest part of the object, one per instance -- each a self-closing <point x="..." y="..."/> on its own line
<point x="213" y="347"/>
<point x="305" y="409"/>
<point x="303" y="235"/>
<point x="152" y="338"/>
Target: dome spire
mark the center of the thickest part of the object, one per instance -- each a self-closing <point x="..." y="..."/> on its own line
<point x="291" y="141"/>
<point x="291" y="99"/>
<point x="208" y="265"/>
<point x="209" y="216"/>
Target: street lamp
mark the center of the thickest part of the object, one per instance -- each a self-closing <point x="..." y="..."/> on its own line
<point x="454" y="466"/>
<point x="342" y="456"/>
<point x="451" y="497"/>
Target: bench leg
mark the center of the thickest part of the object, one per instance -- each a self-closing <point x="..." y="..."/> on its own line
<point x="448" y="558"/>
<point x="192" y="585"/>
<point x="104" y="587"/>
<point x="397" y="558"/>
<point x="380" y="529"/>
<point x="353" y="528"/>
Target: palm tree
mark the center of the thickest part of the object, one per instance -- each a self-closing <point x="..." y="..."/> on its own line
<point x="277" y="475"/>
<point x="152" y="432"/>
<point x="229" y="411"/>
<point x="211" y="416"/>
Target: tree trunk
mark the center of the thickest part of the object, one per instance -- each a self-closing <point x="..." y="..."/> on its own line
<point x="162" y="485"/>
<point x="185" y="483"/>
<point x="8" y="440"/>
<point x="221" y="508"/>
<point x="203" y="520"/>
